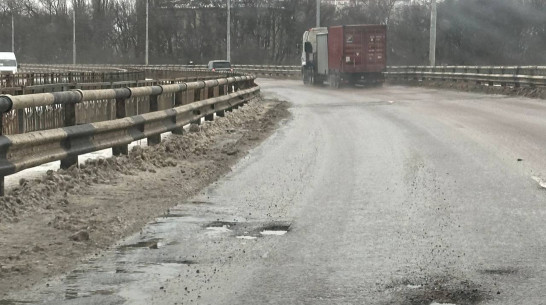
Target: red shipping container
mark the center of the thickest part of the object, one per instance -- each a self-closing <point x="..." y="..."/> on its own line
<point x="357" y="48"/>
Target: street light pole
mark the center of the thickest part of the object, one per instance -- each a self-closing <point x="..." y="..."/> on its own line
<point x="432" y="49"/>
<point x="146" y="59"/>
<point x="73" y="35"/>
<point x="228" y="30"/>
<point x="318" y="13"/>
<point x="12" y="34"/>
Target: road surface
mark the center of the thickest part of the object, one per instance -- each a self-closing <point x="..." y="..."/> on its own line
<point x="393" y="195"/>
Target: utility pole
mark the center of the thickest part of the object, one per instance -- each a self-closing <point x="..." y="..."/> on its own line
<point x="146" y="59"/>
<point x="432" y="49"/>
<point x="12" y="34"/>
<point x="228" y="30"/>
<point x="318" y="13"/>
<point x="74" y="35"/>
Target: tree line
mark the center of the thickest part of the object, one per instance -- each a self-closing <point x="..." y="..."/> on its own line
<point x="470" y="32"/>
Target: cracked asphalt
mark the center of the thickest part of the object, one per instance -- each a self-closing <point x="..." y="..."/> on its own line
<point x="392" y="195"/>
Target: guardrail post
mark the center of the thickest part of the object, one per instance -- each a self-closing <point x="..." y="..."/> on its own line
<point x="179" y="101"/>
<point x="154" y="106"/>
<point x="9" y="80"/>
<point x="69" y="120"/>
<point x="2" y="188"/>
<point x="121" y="112"/>
<point x="516" y="83"/>
<point x="211" y="92"/>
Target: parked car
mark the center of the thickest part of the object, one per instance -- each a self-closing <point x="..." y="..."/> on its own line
<point x="8" y="62"/>
<point x="220" y="65"/>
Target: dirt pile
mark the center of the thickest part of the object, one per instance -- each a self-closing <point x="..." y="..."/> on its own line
<point x="47" y="224"/>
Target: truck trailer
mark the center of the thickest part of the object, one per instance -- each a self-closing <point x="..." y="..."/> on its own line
<point x="348" y="54"/>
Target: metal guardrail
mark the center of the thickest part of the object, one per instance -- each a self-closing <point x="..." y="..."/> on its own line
<point x="259" y="70"/>
<point x="293" y="72"/>
<point x="168" y="108"/>
<point x="486" y="75"/>
<point x="10" y="83"/>
<point x="490" y="75"/>
<point x="102" y="67"/>
<point x="41" y="82"/>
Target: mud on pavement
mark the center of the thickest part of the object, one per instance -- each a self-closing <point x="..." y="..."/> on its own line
<point x="47" y="225"/>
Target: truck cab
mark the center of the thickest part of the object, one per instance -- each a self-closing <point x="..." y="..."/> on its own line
<point x="8" y="63"/>
<point x="309" y="53"/>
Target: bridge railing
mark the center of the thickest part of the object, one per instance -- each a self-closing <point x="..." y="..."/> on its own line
<point x="259" y="70"/>
<point x="63" y="125"/>
<point x="60" y="80"/>
<point x="14" y="82"/>
<point x="293" y="72"/>
<point x="486" y="75"/>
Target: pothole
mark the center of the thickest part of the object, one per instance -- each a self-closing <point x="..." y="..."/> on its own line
<point x="220" y="224"/>
<point x="274" y="232"/>
<point x="150" y="244"/>
<point x="275" y="229"/>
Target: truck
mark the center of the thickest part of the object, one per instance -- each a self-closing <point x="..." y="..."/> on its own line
<point x="8" y="63"/>
<point x="348" y="54"/>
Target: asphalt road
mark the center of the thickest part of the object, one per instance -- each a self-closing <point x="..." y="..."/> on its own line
<point x="393" y="195"/>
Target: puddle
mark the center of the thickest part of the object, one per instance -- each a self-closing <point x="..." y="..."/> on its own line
<point x="273" y="232"/>
<point x="220" y="224"/>
<point x="414" y="286"/>
<point x="213" y="231"/>
<point x="14" y="302"/>
<point x="276" y="229"/>
<point x="72" y="293"/>
<point x="246" y="237"/>
<point x="434" y="303"/>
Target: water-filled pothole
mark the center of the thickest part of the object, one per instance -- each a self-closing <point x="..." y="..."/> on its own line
<point x="150" y="244"/>
<point x="276" y="229"/>
<point x="274" y="232"/>
<point x="220" y="224"/>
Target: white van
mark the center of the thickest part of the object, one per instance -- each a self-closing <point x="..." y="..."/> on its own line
<point x="8" y="63"/>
